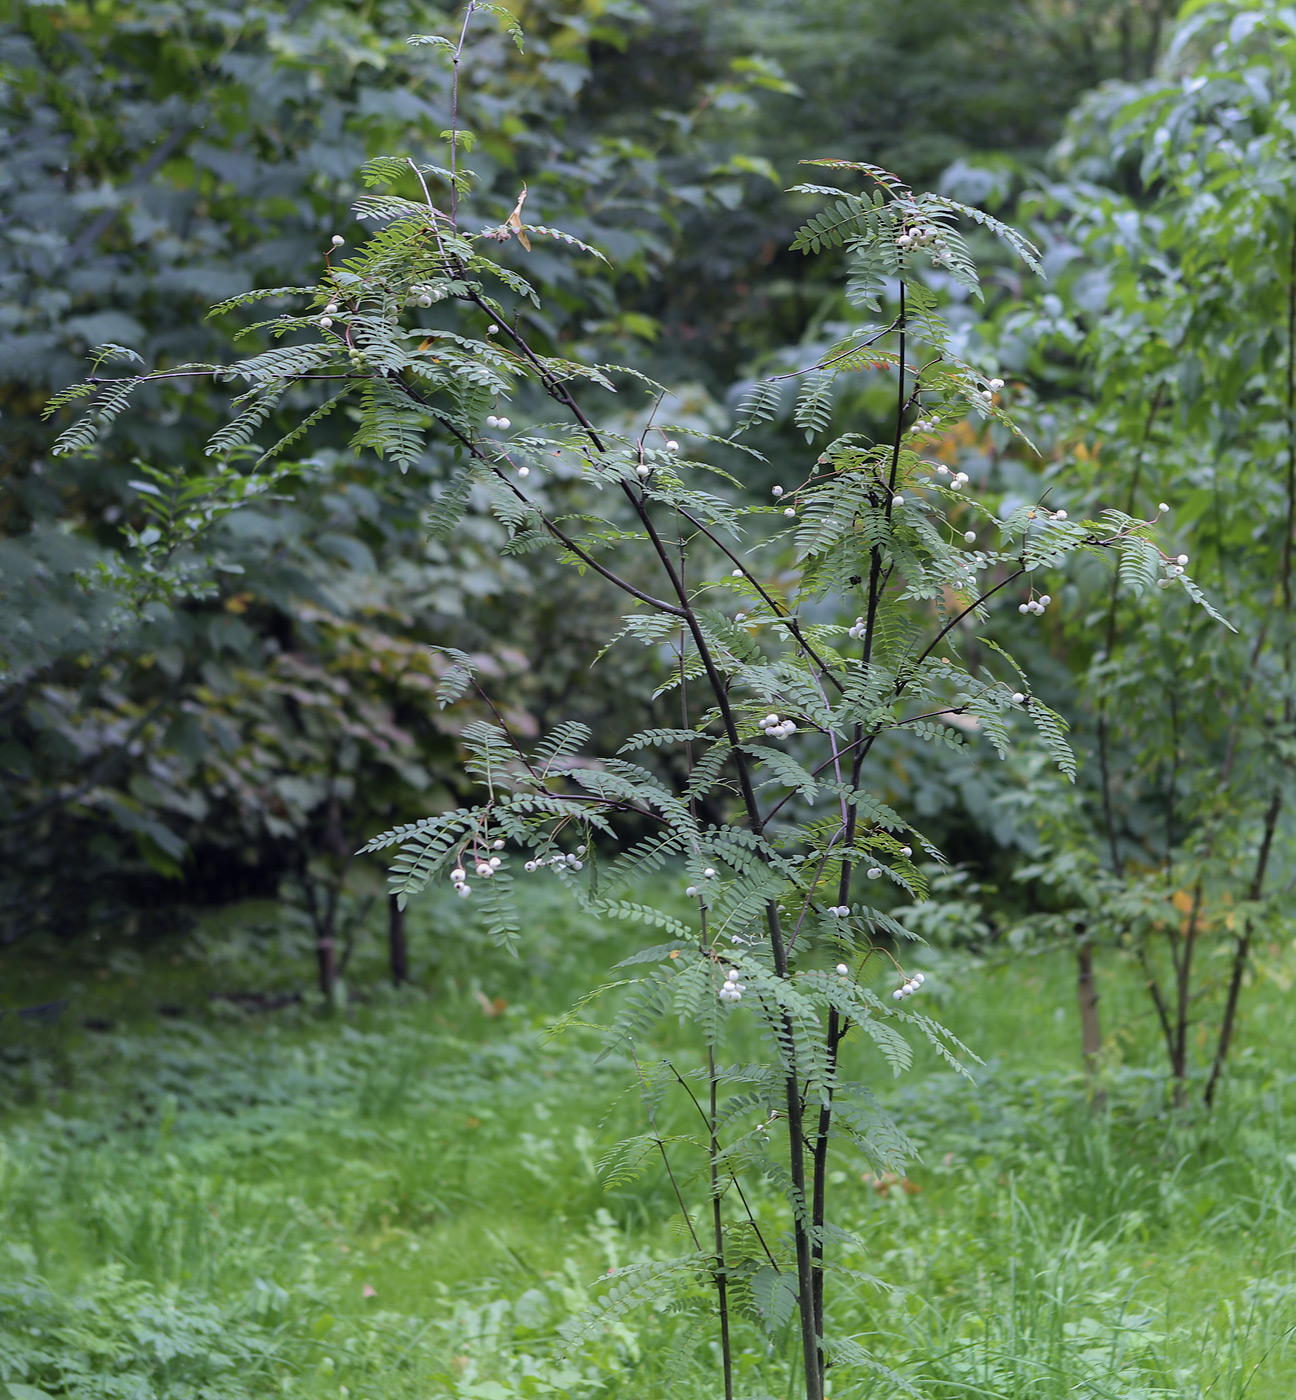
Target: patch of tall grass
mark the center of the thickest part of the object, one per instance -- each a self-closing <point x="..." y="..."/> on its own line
<point x="404" y="1202"/>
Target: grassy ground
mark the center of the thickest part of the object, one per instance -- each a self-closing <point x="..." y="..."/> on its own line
<point x="404" y="1201"/>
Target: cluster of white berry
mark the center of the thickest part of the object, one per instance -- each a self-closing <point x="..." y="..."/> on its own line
<point x="909" y="988"/>
<point x="1035" y="605"/>
<point x="733" y="988"/>
<point x="775" y="728"/>
<point x="839" y="911"/>
<point x="1173" y="569"/>
<point x="957" y="480"/>
<point x="572" y="862"/>
<point x="918" y="238"/>
<point x="486" y="867"/>
<point x="925" y="425"/>
<point x="493" y="422"/>
<point x="425" y="296"/>
<point x="858" y="630"/>
<point x="1058" y="515"/>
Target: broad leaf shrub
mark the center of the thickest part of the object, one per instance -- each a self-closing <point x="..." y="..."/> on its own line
<point x="793" y="867"/>
<point x="1165" y="362"/>
<point x="158" y="157"/>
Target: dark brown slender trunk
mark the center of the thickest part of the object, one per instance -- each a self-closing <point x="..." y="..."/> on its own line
<point x="717" y="1222"/>
<point x="326" y="958"/>
<point x="1090" y="1017"/>
<point x="1183" y="993"/>
<point x="819" y="1201"/>
<point x="396" y="945"/>
<point x="837" y="1027"/>
<point x="1158" y="1000"/>
<point x="1242" y="952"/>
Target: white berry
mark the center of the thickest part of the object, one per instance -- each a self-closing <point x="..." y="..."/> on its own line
<point x="672" y="445"/>
<point x="1182" y="560"/>
<point x="463" y="891"/>
<point x="1018" y="698"/>
<point x="337" y="240"/>
<point x="492" y="329"/>
<point x="970" y="536"/>
<point x="1163" y="507"/>
<point x="897" y="500"/>
<point x="874" y="871"/>
<point x="325" y="322"/>
<point x="906" y="850"/>
<point x="789" y="512"/>
<point x="691" y="891"/>
<point x="504" y="423"/>
<point x="778" y="491"/>
<point x="843" y="970"/>
<point x="524" y="471"/>
<point x="457" y="875"/>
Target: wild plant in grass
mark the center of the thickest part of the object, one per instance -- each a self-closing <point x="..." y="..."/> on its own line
<point x="791" y="860"/>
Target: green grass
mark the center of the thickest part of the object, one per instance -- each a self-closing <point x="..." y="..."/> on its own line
<point x="404" y="1201"/>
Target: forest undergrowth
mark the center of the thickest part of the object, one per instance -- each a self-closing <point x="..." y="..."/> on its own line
<point x="405" y="1199"/>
